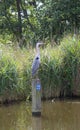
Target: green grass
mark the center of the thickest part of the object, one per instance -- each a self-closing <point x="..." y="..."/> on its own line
<point x="59" y="70"/>
<point x="15" y="73"/>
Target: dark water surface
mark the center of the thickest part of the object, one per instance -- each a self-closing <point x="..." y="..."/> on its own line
<point x="58" y="115"/>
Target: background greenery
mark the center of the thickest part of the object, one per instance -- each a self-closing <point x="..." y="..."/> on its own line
<point x="59" y="70"/>
<point x="30" y="20"/>
<point x="22" y="24"/>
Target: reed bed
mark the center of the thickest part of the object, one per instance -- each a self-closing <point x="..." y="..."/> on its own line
<point x="59" y="70"/>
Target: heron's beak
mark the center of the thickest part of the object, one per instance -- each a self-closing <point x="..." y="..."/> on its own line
<point x="41" y="44"/>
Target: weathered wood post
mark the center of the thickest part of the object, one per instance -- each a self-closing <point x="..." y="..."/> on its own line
<point x="36" y="85"/>
<point x="36" y="97"/>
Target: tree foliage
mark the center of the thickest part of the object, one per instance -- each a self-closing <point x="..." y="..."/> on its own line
<point x="39" y="19"/>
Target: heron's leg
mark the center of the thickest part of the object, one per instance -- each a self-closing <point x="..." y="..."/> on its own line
<point x="37" y="76"/>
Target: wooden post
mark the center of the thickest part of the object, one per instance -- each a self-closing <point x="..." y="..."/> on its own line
<point x="36" y="97"/>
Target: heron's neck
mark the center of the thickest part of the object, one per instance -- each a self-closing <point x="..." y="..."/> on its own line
<point x="37" y="50"/>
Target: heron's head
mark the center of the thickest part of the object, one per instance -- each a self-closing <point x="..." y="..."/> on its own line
<point x="39" y="44"/>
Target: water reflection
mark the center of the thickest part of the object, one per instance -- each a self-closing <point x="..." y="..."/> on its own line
<point x="15" y="117"/>
<point x="60" y="115"/>
<point x="36" y="123"/>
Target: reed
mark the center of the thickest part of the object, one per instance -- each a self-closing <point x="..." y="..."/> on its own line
<point x="59" y="70"/>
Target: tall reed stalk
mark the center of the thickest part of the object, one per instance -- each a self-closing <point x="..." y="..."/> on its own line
<point x="59" y="70"/>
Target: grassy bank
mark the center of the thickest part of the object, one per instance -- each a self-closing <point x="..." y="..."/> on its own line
<point x="59" y="71"/>
<point x="15" y="73"/>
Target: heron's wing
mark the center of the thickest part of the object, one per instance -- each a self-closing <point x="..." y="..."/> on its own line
<point x="35" y="65"/>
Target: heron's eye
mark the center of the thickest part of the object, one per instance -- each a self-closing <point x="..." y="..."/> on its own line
<point x="37" y="58"/>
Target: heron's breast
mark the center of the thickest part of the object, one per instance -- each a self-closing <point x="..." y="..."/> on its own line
<point x="37" y="58"/>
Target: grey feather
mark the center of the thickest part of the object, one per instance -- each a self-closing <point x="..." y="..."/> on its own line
<point x="36" y="61"/>
<point x="35" y="65"/>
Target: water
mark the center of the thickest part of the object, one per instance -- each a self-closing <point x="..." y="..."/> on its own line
<point x="58" y="115"/>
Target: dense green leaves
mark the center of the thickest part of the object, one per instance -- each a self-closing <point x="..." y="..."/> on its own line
<point x="39" y="20"/>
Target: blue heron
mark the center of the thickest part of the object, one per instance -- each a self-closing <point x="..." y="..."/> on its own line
<point x="36" y="61"/>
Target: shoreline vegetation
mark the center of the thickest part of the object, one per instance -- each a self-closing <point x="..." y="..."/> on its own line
<point x="59" y="71"/>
